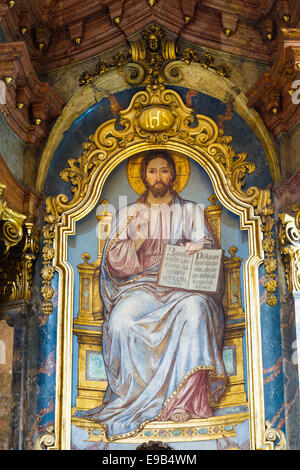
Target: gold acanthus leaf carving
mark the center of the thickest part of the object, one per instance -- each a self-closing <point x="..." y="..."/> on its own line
<point x="289" y="243"/>
<point x="148" y="60"/>
<point x="51" y="218"/>
<point x="19" y="246"/>
<point x="158" y="115"/>
<point x="80" y="169"/>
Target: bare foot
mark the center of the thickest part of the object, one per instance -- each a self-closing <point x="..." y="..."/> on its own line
<point x="180" y="416"/>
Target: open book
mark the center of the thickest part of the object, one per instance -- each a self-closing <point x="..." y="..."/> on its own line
<point x="200" y="271"/>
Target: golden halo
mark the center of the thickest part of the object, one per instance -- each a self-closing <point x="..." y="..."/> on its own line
<point x="133" y="171"/>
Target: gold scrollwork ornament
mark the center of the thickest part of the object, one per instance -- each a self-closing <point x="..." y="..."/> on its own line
<point x="152" y="60"/>
<point x="289" y="242"/>
<point x="274" y="435"/>
<point x="47" y="440"/>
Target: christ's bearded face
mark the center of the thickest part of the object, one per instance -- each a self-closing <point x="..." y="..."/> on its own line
<point x="159" y="177"/>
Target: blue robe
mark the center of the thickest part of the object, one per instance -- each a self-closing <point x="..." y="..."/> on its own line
<point x="154" y="337"/>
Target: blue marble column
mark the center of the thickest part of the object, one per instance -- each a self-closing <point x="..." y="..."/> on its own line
<point x="21" y="316"/>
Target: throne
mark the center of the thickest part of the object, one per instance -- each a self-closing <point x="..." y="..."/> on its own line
<point x="92" y="383"/>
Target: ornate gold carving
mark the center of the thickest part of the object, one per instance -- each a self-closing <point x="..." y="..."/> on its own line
<point x="150" y="54"/>
<point x="102" y="66"/>
<point x="156" y="99"/>
<point x="155" y="53"/>
<point x="48" y="255"/>
<point x="47" y="440"/>
<point x="204" y="135"/>
<point x="18" y="248"/>
<point x="206" y="61"/>
<point x="289" y="242"/>
<point x="274" y="434"/>
<point x="150" y="58"/>
<point x="270" y="263"/>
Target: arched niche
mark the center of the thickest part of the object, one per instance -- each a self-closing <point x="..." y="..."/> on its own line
<point x="111" y="145"/>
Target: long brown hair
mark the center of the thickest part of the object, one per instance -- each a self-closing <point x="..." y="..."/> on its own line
<point x="145" y="162"/>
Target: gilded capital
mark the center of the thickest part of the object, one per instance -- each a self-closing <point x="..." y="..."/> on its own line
<point x="289" y="242"/>
<point x="18" y="249"/>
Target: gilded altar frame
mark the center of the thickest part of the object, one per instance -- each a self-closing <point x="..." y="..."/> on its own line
<point x="158" y="119"/>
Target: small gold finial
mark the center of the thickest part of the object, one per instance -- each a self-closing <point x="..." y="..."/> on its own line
<point x="23" y="30"/>
<point x="20" y="105"/>
<point x="41" y="46"/>
<point x="187" y="19"/>
<point x="8" y="80"/>
<point x="117" y="20"/>
<point x="233" y="251"/>
<point x="78" y="40"/>
<point x="37" y="121"/>
<point x="228" y="32"/>
<point x="213" y="199"/>
<point x="11" y="3"/>
<point x="86" y="257"/>
<point x="286" y="18"/>
<point x="269" y="36"/>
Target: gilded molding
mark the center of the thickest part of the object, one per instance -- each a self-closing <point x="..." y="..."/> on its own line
<point x="289" y="243"/>
<point x="268" y="243"/>
<point x="48" y="255"/>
